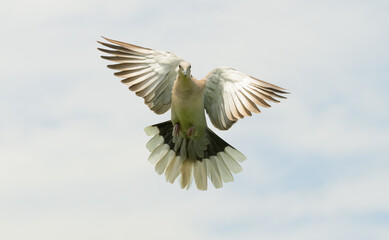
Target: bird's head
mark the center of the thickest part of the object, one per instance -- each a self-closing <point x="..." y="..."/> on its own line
<point x="184" y="69"/>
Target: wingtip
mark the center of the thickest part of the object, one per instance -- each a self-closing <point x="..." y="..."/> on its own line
<point x="102" y="43"/>
<point x="284" y="90"/>
<point x="109" y="40"/>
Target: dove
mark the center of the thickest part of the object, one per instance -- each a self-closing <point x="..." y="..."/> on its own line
<point x="184" y="147"/>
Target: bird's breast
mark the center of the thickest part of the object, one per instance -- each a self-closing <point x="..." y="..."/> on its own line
<point x="188" y="109"/>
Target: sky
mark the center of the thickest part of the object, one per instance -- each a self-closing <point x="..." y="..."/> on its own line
<point x="73" y="161"/>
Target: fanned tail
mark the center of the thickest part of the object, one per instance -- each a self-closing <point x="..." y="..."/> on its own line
<point x="199" y="159"/>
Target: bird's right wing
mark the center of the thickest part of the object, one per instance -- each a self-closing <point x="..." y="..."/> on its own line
<point x="150" y="73"/>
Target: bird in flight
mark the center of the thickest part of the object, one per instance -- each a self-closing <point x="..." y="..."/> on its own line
<point x="184" y="146"/>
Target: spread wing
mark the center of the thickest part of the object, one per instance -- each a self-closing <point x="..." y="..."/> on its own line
<point x="230" y="95"/>
<point x="149" y="73"/>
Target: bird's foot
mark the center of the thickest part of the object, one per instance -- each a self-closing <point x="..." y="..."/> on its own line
<point x="176" y="130"/>
<point x="190" y="131"/>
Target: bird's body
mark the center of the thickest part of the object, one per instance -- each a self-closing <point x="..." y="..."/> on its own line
<point x="184" y="146"/>
<point x="188" y="105"/>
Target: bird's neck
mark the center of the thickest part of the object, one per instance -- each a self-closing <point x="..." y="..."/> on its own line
<point x="185" y="83"/>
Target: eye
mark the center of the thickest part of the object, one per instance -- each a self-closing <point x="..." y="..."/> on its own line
<point x="190" y="67"/>
<point x="179" y="66"/>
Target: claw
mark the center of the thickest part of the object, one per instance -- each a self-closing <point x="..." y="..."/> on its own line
<point x="190" y="131"/>
<point x="176" y="130"/>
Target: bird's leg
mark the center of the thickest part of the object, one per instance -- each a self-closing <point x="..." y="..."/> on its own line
<point x="190" y="131"/>
<point x="176" y="130"/>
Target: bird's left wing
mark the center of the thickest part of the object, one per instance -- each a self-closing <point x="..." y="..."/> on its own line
<point x="230" y="95"/>
<point x="150" y="73"/>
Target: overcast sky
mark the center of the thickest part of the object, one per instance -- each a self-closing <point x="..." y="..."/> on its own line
<point x="73" y="161"/>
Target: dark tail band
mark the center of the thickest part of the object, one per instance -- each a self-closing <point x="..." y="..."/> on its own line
<point x="209" y="157"/>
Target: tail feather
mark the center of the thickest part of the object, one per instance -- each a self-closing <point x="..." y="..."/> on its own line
<point x="213" y="173"/>
<point x="186" y="174"/>
<point x="230" y="162"/>
<point x="161" y="165"/>
<point x="158" y="153"/>
<point x="208" y="157"/>
<point x="174" y="169"/>
<point x="154" y="142"/>
<point x="223" y="169"/>
<point x="200" y="175"/>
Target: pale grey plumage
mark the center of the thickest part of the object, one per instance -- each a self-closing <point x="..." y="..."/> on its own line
<point x="185" y="146"/>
